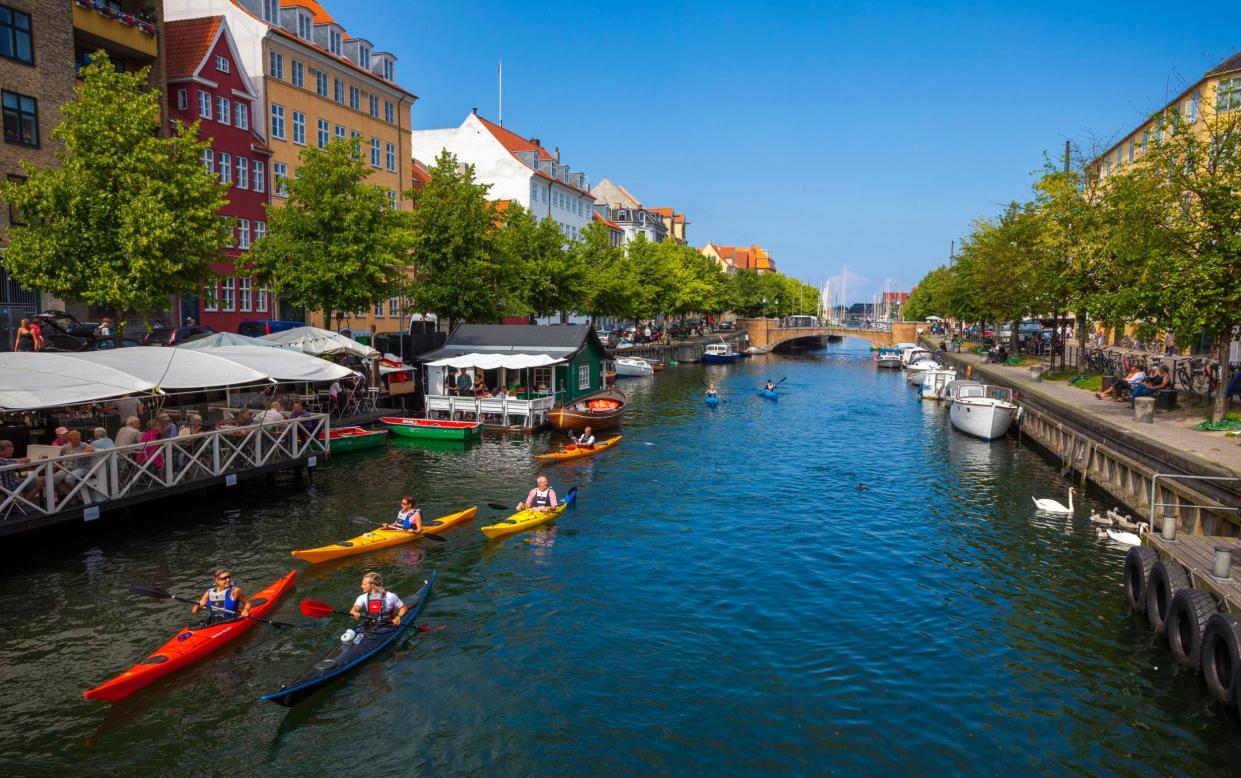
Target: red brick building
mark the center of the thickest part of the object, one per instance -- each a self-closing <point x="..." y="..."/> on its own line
<point x="206" y="83"/>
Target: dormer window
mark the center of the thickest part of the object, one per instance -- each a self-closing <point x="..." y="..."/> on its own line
<point x="334" y="40"/>
<point x="271" y="11"/>
<point x="304" y="30"/>
<point x="364" y="57"/>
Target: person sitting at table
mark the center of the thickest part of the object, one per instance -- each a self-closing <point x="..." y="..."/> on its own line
<point x="72" y="472"/>
<point x="1135" y="377"/>
<point x="479" y="388"/>
<point x="1158" y="382"/>
<point x="465" y="384"/>
<point x="245" y="417"/>
<point x="167" y="427"/>
<point x="272" y="414"/>
<point x="151" y="453"/>
<point x="130" y="433"/>
<point x="12" y="480"/>
<point x="62" y="436"/>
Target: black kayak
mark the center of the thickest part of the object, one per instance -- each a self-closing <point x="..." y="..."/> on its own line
<point x="348" y="654"/>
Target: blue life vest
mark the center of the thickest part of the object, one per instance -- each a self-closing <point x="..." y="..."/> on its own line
<point x="406" y="518"/>
<point x="222" y="600"/>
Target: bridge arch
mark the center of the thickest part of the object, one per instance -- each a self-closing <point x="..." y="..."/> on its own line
<point x="768" y="334"/>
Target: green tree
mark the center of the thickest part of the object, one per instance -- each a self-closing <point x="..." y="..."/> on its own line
<point x="611" y="284"/>
<point x="461" y="275"/>
<point x="336" y="245"/>
<point x="932" y="296"/>
<point x="129" y="217"/>
<point x="548" y="277"/>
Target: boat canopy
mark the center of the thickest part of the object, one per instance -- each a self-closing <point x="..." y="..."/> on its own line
<point x="494" y="361"/>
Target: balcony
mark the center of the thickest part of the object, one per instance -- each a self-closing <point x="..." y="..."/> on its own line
<point x="110" y="23"/>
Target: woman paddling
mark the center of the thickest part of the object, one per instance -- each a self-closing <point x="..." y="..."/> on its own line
<point x="376" y="602"/>
<point x="408" y="517"/>
<point x="223" y="599"/>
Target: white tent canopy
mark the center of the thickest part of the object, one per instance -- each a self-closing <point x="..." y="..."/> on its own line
<point x="315" y="341"/>
<point x="227" y="339"/>
<point x="175" y="370"/>
<point x="494" y="361"/>
<point x="42" y="380"/>
<point x="282" y="364"/>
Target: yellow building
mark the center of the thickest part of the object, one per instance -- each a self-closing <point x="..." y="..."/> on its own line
<point x="317" y="84"/>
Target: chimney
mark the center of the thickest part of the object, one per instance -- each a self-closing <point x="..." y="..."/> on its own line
<point x="476" y="110"/>
<point x="535" y="141"/>
<point x="557" y="155"/>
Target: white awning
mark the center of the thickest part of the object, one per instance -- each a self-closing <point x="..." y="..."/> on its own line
<point x="493" y="361"/>
<point x="316" y="341"/>
<point x="31" y="380"/>
<point x="173" y="369"/>
<point x="227" y="339"/>
<point x="282" y="364"/>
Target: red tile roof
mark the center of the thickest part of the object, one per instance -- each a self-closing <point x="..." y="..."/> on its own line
<point x="1227" y="66"/>
<point x="188" y="42"/>
<point x="320" y="16"/>
<point x="512" y="141"/>
<point x="608" y="222"/>
<point x="661" y="211"/>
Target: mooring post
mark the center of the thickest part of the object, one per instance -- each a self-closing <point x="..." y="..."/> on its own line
<point x="1223" y="562"/>
<point x="1168" y="530"/>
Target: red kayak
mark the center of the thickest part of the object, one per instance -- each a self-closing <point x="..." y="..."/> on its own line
<point x="188" y="646"/>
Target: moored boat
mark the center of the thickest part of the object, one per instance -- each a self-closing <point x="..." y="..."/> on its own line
<point x="601" y="410"/>
<point x="576" y="452"/>
<point x="633" y="366"/>
<point x="361" y="644"/>
<point x="381" y="538"/>
<point x="189" y="645"/>
<point x="719" y="354"/>
<point x="528" y="519"/>
<point x="888" y="358"/>
<point x="433" y="429"/>
<point x="342" y="440"/>
<point x="982" y="411"/>
<point x="934" y="383"/>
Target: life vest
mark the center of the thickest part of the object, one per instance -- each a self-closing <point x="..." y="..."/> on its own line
<point x="541" y="499"/>
<point x="406" y="518"/>
<point x="376" y="606"/>
<point x="222" y="600"/>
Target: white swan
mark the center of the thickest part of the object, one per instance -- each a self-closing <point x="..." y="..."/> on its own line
<point x="1096" y="518"/>
<point x="1051" y="506"/>
<point x="1128" y="538"/>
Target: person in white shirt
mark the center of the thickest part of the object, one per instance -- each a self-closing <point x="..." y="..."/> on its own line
<point x="378" y="603"/>
<point x="131" y="433"/>
<point x="272" y="414"/>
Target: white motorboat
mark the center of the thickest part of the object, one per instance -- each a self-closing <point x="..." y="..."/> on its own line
<point x="889" y="358"/>
<point x="915" y="370"/>
<point x="935" y="383"/>
<point x="905" y="349"/>
<point x="982" y="411"/>
<point x="719" y="354"/>
<point x="910" y="357"/>
<point x="633" y="366"/>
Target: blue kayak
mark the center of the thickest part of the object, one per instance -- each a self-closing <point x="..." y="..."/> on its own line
<point x="713" y="401"/>
<point x="769" y="395"/>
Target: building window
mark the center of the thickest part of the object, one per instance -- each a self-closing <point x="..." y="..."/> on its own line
<point x="374" y="152"/>
<point x="388" y="70"/>
<point x="183" y="99"/>
<point x="543" y="193"/>
<point x="1228" y="94"/>
<point x="355" y="134"/>
<point x="260" y="299"/>
<point x="1191" y="108"/>
<point x="259" y="175"/>
<point x="374" y="106"/>
<point x="394" y="306"/>
<point x="243" y="234"/>
<point x="334" y="41"/>
<point x="260" y="229"/>
<point x="210" y="296"/>
<point x="390" y="157"/>
<point x="583" y="376"/>
<point x="299" y="128"/>
<point x="338" y="89"/>
<point x="303" y="27"/>
<point x="241" y="116"/>
<point x="221" y="63"/>
<point x="204" y="104"/>
<point x="388" y="112"/>
<point x="223" y="112"/>
<point x="379" y="310"/>
<point x="320" y="83"/>
<point x="227" y="300"/>
<point x="355" y="98"/>
<point x="275" y="66"/>
<point x="392" y="200"/>
<point x="209" y="160"/>
<point x="281" y="172"/>
<point x="364" y="57"/>
<point x="226" y="168"/>
<point x="16" y="217"/>
<point x="299" y="74"/>
<point x="534" y="192"/>
<point x="340" y="132"/>
<point x="271" y="11"/>
<point x="243" y="292"/>
<point x="277" y="121"/>
<point x="231" y="240"/>
<point x="243" y="173"/>
<point x="542" y="378"/>
<point x="1119" y="157"/>
<point x="1132" y="148"/>
<point x="324" y="135"/>
<point x="15" y="36"/>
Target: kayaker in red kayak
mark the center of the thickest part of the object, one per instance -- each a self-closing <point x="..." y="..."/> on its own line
<point x="541" y="498"/>
<point x="377" y="602"/>
<point x="224" y="600"/>
<point x="408" y="517"/>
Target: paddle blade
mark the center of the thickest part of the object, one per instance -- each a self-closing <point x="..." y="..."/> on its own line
<point x="362" y="520"/>
<point x="433" y="536"/>
<point x="431" y="628"/>
<point x="497" y="506"/>
<point x="150" y="591"/>
<point x="315" y="609"/>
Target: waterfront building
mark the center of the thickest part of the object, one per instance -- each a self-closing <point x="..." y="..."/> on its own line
<point x="517" y="169"/>
<point x="615" y="232"/>
<point x="734" y="258"/>
<point x="617" y="204"/>
<point x="315" y="83"/>
<point x="674" y="223"/>
<point x="207" y="82"/>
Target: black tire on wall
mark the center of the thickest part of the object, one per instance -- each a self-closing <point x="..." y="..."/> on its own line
<point x="1188" y="614"/>
<point x="1167" y="578"/>
<point x="1221" y="656"/>
<point x="1138" y="563"/>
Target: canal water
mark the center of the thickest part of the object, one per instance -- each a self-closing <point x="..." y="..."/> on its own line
<point x="835" y="582"/>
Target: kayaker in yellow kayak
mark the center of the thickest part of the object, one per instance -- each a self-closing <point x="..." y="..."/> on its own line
<point x="585" y="440"/>
<point x="541" y="498"/>
<point x="224" y="596"/>
<point x="409" y="517"/>
<point x="377" y="602"/>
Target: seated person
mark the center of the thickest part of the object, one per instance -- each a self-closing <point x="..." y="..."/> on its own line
<point x="1161" y="380"/>
<point x="480" y="388"/>
<point x="1135" y="377"/>
<point x="465" y="384"/>
<point x="585" y="440"/>
<point x="13" y="481"/>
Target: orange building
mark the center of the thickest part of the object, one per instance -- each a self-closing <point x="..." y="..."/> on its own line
<point x="734" y="258"/>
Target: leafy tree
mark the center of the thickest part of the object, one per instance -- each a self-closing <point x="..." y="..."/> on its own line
<point x="336" y="245"/>
<point x="129" y="217"/>
<point x="610" y="283"/>
<point x="461" y="275"/>
<point x="548" y="277"/>
<point x="656" y="291"/>
<point x="932" y="296"/>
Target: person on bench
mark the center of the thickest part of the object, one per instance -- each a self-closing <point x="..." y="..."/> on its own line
<point x="1148" y="388"/>
<point x="1135" y="377"/>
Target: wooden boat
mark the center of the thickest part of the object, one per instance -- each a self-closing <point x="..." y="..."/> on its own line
<point x="601" y="410"/>
<point x="433" y="429"/>
<point x="577" y="451"/>
<point x="342" y="440"/>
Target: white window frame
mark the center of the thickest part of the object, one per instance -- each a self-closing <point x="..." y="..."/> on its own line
<point x="243" y="173"/>
<point x="260" y="230"/>
<point x="375" y="149"/>
<point x="275" y="65"/>
<point x="245" y="294"/>
<point x="271" y="11"/>
<point x="260" y="300"/>
<point x="241" y="115"/>
<point x="183" y="99"/>
<point x="394" y="307"/>
<point x="225" y="168"/>
<point x="1228" y="94"/>
<point x="1191" y="107"/>
<point x="392" y="202"/>
<point x="334" y="41"/>
<point x="299" y="128"/>
<point x="389" y="112"/>
<point x="223" y="110"/>
<point x="390" y="157"/>
<point x="338" y="90"/>
<point x="260" y="176"/>
<point x="305" y="29"/>
<point x="389" y="71"/>
<point x="355" y="98"/>
<point x="372" y="102"/>
<point x="321" y="83"/>
<point x="583" y="376"/>
<point x="221" y="63"/>
<point x="211" y="297"/>
<point x="341" y="133"/>
<point x="228" y="295"/>
<point x="280" y="171"/>
<point x="297" y="73"/>
<point x="324" y="133"/>
<point x="209" y="160"/>
<point x="243" y="234"/>
<point x="204" y="104"/>
<point x="364" y="57"/>
<point x="277" y="121"/>
<point x="379" y="309"/>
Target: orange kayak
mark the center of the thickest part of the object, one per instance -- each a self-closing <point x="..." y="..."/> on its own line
<point x="188" y="646"/>
<point x="381" y="538"/>
<point x="574" y="453"/>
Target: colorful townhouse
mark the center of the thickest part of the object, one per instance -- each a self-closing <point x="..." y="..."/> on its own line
<point x="734" y="258"/>
<point x="618" y="205"/>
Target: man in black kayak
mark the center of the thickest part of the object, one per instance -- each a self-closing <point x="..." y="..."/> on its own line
<point x="224" y="601"/>
<point x="378" y="603"/>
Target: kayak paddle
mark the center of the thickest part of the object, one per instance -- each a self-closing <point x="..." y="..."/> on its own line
<point x="372" y="522"/>
<point x="151" y="591"/>
<point x="317" y="609"/>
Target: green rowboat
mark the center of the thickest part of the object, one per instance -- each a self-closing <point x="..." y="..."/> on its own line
<point x="434" y="429"/>
<point x="346" y="439"/>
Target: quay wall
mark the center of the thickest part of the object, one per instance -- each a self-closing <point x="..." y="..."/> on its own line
<point x="1124" y="465"/>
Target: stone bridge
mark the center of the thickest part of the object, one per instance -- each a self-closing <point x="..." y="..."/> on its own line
<point x="768" y="334"/>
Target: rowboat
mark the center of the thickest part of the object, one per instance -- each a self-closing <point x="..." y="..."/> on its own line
<point x="573" y="452"/>
<point x="523" y="520"/>
<point x="433" y="429"/>
<point x="352" y="649"/>
<point x="342" y="440"/>
<point x="381" y="538"/>
<point x="601" y="410"/>
<point x="188" y="646"/>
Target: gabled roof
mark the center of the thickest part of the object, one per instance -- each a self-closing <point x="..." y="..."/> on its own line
<point x="608" y="222"/>
<point x="1227" y="66"/>
<point x="188" y="42"/>
<point x="562" y="340"/>
<point x="320" y="16"/>
<point x="512" y="141"/>
<point x="636" y="203"/>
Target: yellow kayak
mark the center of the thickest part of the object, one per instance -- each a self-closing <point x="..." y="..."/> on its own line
<point x="523" y="520"/>
<point x="560" y="456"/>
<point x="381" y="538"/>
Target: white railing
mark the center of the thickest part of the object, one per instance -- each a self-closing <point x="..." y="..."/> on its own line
<point x="500" y="409"/>
<point x="84" y="480"/>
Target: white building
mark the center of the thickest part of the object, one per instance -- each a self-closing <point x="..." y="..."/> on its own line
<point x="615" y="203"/>
<point x="518" y="169"/>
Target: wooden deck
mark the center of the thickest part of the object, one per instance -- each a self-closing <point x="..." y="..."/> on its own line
<point x="1197" y="552"/>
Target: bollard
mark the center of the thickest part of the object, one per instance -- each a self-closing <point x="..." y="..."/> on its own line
<point x="1168" y="530"/>
<point x="1036" y="372"/>
<point x="1144" y="409"/>
<point x="1223" y="562"/>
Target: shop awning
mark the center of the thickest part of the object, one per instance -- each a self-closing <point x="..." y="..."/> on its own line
<point x="494" y="361"/>
<point x="317" y="342"/>
<point x="282" y="364"/>
<point x="31" y="380"/>
<point x="173" y="369"/>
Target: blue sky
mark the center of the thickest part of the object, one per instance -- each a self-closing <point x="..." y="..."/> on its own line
<point x="864" y="134"/>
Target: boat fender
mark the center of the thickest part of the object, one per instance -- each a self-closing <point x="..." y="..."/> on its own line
<point x="1138" y="563"/>
<point x="1021" y="413"/>
<point x="348" y="636"/>
<point x="1167" y="578"/>
<point x="1221" y="655"/>
<point x="1187" y="618"/>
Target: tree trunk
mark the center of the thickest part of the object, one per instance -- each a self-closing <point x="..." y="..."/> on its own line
<point x="1083" y="322"/>
<point x="1014" y="337"/>
<point x="1221" y="389"/>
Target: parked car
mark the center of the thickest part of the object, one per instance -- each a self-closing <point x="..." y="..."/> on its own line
<point x="102" y="344"/>
<point x="259" y="328"/>
<point x="173" y="336"/>
<point x="726" y="325"/>
<point x="62" y="332"/>
<point x="606" y="338"/>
